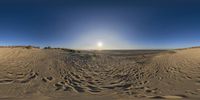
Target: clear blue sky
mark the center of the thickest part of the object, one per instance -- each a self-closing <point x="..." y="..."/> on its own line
<point x="118" y="24"/>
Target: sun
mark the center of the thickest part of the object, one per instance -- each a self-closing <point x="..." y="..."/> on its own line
<point x="99" y="44"/>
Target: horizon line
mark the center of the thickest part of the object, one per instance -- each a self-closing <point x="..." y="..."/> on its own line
<point x="52" y="47"/>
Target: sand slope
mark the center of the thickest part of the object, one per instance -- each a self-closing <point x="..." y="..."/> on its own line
<point x="52" y="74"/>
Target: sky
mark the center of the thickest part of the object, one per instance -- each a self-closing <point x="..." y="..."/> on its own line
<point x="116" y="24"/>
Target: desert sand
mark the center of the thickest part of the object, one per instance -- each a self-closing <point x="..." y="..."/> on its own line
<point x="58" y="74"/>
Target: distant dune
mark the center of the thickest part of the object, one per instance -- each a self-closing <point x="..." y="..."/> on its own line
<point x="65" y="74"/>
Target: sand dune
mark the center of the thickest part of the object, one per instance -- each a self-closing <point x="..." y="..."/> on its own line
<point x="56" y="74"/>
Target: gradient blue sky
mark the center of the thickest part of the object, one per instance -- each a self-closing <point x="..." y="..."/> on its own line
<point x="119" y="24"/>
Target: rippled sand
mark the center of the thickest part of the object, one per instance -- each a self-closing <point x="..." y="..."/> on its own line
<point x="55" y="74"/>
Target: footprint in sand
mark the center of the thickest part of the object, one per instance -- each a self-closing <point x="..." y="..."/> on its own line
<point x="6" y="81"/>
<point x="47" y="79"/>
<point x="93" y="89"/>
<point x="168" y="97"/>
<point x="30" y="77"/>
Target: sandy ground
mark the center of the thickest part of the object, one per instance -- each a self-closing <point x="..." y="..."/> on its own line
<point x="49" y="74"/>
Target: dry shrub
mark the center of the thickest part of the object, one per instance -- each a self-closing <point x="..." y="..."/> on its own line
<point x="47" y="47"/>
<point x="28" y="47"/>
